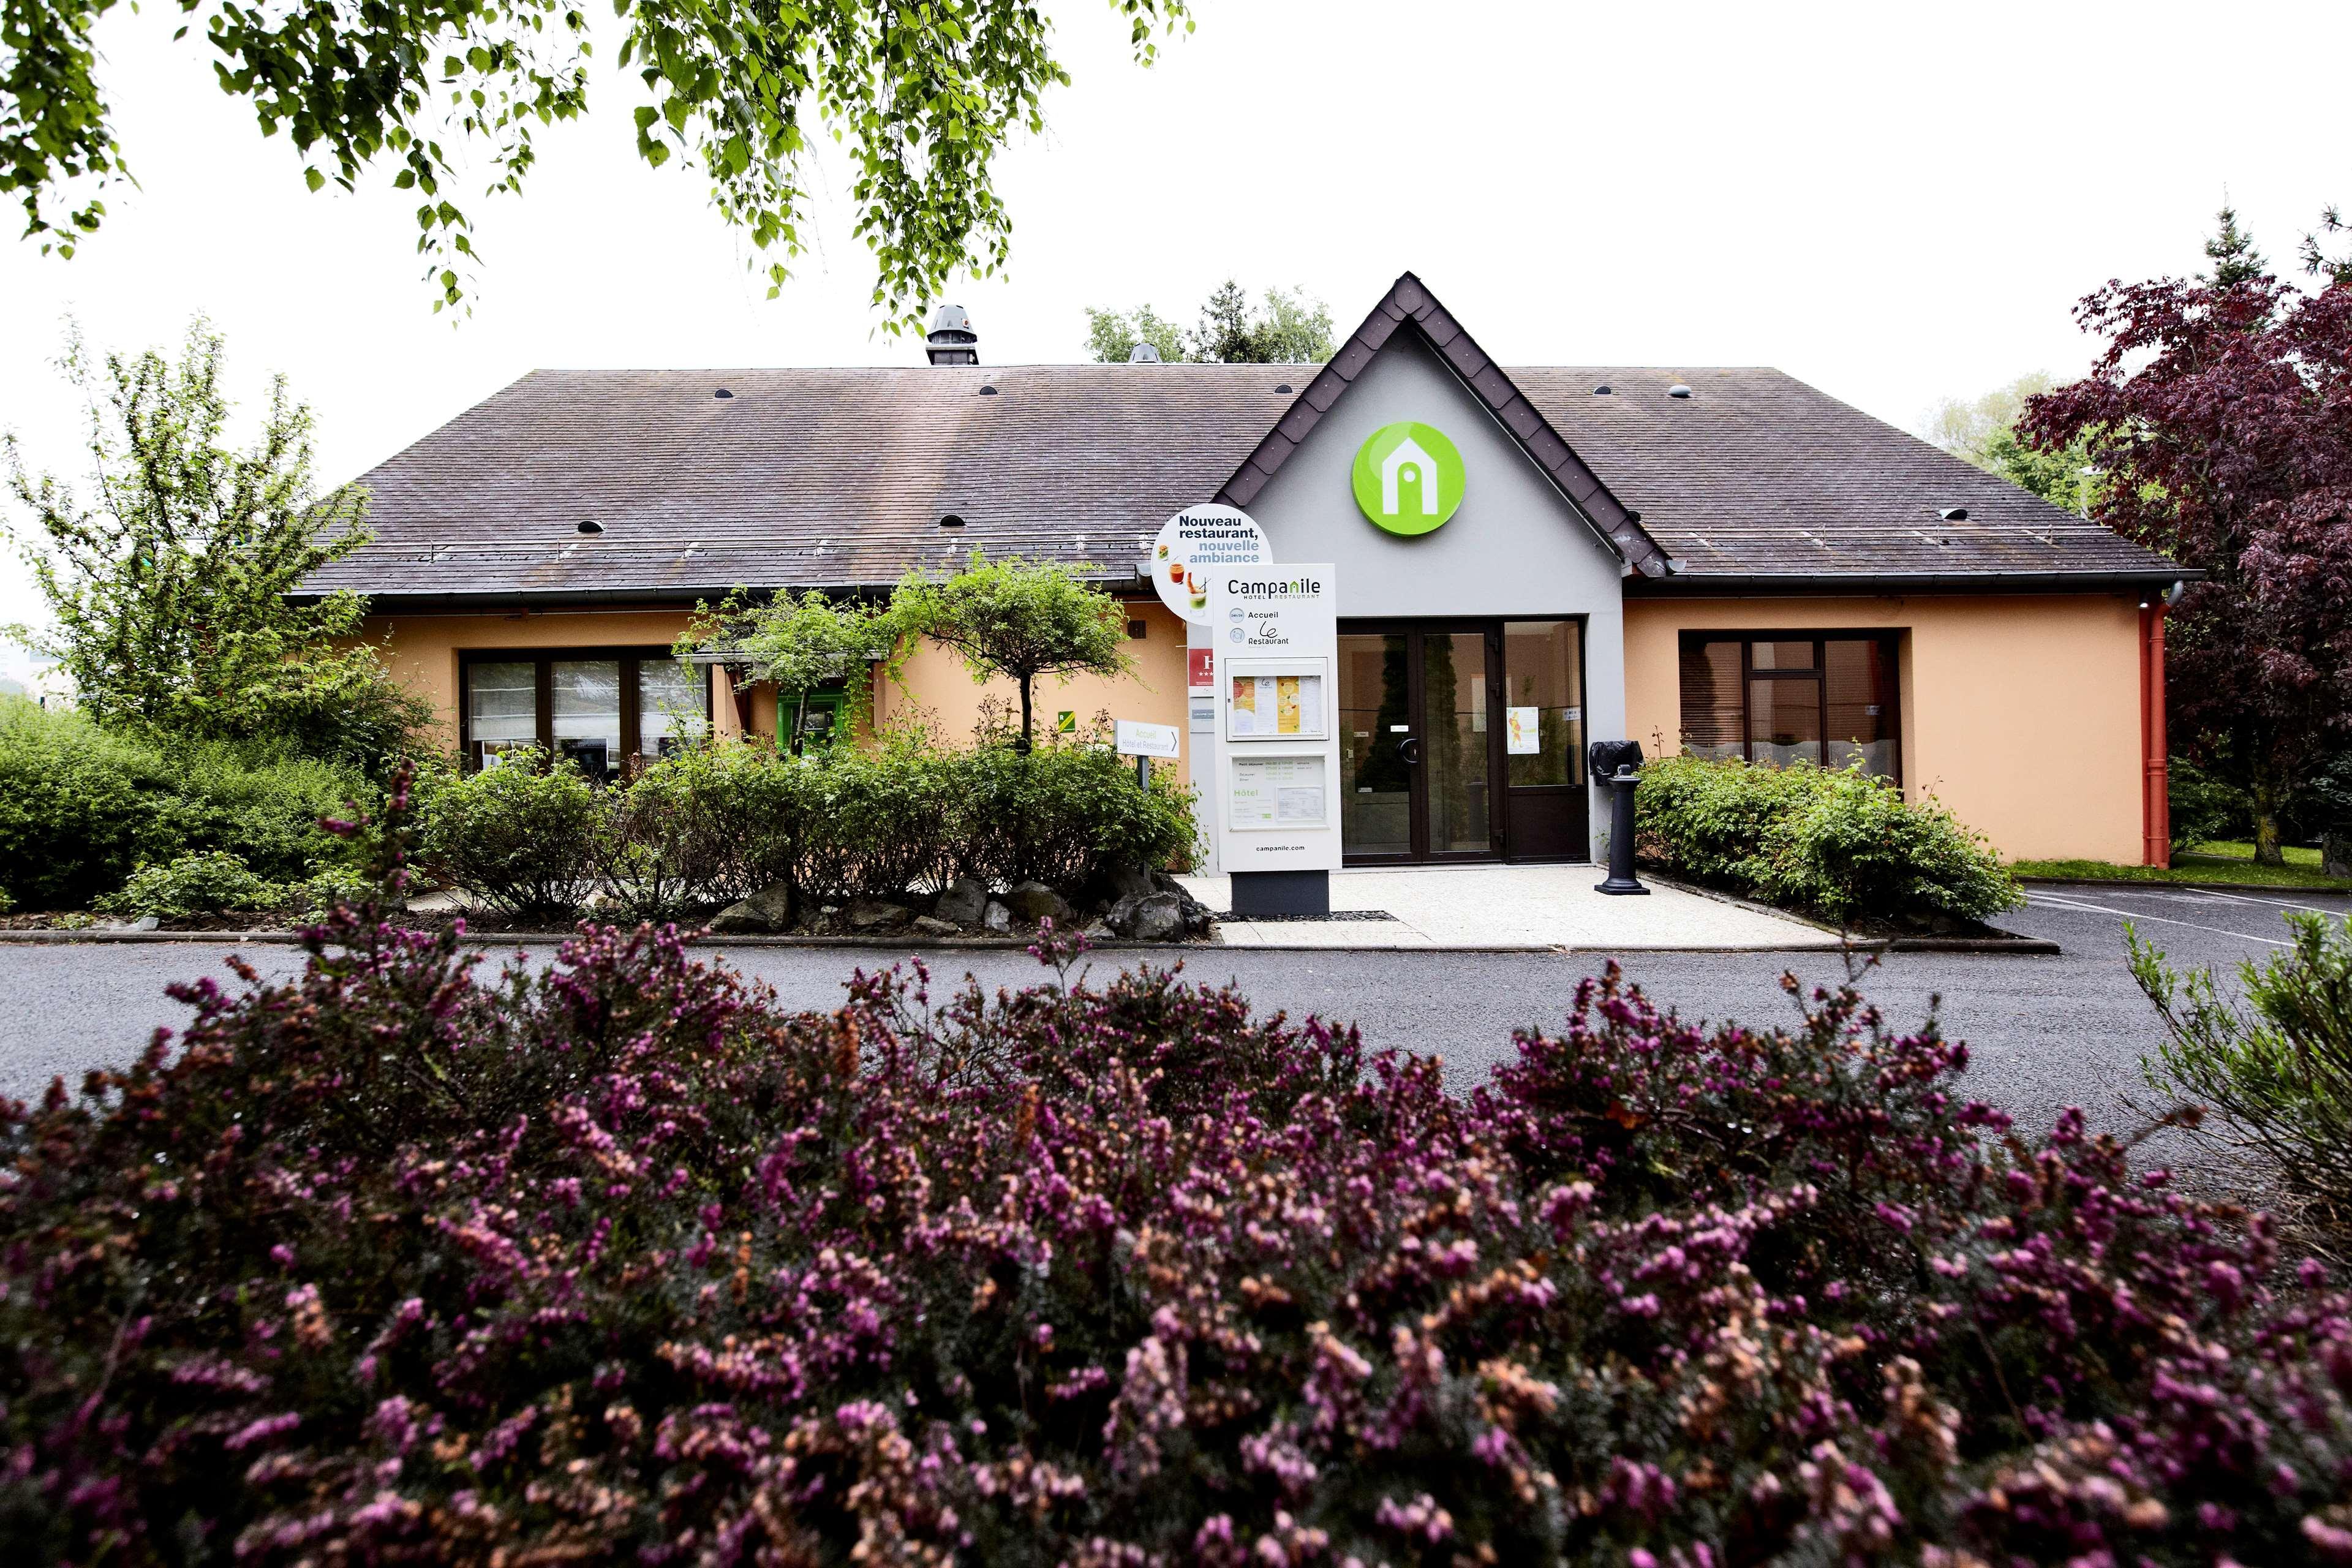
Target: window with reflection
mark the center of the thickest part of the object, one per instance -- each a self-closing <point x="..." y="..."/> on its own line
<point x="673" y="707"/>
<point x="586" y="728"/>
<point x="1543" y="701"/>
<point x="501" y="711"/>
<point x="594" y="710"/>
<point x="1829" y="700"/>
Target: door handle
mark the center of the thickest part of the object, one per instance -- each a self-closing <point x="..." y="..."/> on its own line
<point x="1410" y="750"/>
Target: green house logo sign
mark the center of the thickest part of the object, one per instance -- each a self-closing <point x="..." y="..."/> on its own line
<point x="1408" y="478"/>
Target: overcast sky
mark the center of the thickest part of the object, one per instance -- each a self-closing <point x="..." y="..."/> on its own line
<point x="1894" y="203"/>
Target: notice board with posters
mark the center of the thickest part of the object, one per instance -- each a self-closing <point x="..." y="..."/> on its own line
<point x="1274" y="633"/>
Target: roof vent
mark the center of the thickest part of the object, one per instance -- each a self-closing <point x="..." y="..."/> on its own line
<point x="1678" y="389"/>
<point x="1143" y="354"/>
<point x="1953" y="513"/>
<point x="952" y="339"/>
<point x="1283" y="387"/>
<point x="952" y="521"/>
<point x="1604" y="390"/>
<point x="986" y="390"/>
<point x="590" y="525"/>
<point x="722" y="395"/>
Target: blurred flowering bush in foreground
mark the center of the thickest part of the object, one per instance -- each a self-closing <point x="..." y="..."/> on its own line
<point x="403" y="1263"/>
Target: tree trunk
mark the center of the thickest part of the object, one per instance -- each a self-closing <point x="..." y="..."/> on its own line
<point x="2266" y="799"/>
<point x="1024" y="742"/>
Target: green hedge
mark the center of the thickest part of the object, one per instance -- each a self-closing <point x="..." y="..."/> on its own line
<point x="81" y="808"/>
<point x="703" y="829"/>
<point x="1838" y="844"/>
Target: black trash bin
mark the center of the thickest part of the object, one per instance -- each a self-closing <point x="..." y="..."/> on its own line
<point x="1614" y="763"/>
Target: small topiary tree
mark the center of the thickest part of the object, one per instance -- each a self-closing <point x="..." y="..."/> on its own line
<point x="1020" y="619"/>
<point x="804" y="642"/>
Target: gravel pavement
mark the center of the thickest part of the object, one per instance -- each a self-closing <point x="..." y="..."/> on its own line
<point x="2043" y="1032"/>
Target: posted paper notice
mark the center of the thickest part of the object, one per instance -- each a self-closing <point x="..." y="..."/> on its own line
<point x="1266" y="706"/>
<point x="1522" y="732"/>
<point x="1278" y="791"/>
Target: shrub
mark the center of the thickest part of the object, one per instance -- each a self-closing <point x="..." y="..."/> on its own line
<point x="2202" y="808"/>
<point x="706" y="827"/>
<point x="1066" y="815"/>
<point x="687" y="833"/>
<point x="2278" y="1068"/>
<point x="522" y="837"/>
<point x="265" y="805"/>
<point x="875" y="823"/>
<point x="200" y="884"/>
<point x="1837" y="842"/>
<point x="80" y="807"/>
<point x="617" y="1262"/>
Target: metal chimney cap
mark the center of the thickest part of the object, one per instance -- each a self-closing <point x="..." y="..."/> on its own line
<point x="1143" y="354"/>
<point x="952" y="339"/>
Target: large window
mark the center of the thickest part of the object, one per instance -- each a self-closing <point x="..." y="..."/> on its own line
<point x="593" y="708"/>
<point x="1793" y="698"/>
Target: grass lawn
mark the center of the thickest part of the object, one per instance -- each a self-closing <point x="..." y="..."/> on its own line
<point x="2221" y="862"/>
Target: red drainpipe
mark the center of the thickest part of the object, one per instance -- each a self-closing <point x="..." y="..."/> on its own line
<point x="2156" y="804"/>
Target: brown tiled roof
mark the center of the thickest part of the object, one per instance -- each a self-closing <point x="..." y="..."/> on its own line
<point x="1757" y="475"/>
<point x="804" y="478"/>
<point x="839" y="477"/>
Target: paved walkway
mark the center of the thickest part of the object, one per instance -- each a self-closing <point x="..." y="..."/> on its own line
<point x="1490" y="909"/>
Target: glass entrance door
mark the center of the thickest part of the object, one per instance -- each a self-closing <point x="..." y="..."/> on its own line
<point x="1462" y="742"/>
<point x="1455" y="767"/>
<point x="1376" y="747"/>
<point x="1417" y="744"/>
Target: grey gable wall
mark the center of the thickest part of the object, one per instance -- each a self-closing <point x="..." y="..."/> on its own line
<point x="1516" y="547"/>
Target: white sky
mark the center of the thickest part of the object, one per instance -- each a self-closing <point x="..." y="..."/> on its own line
<point x="1894" y="203"/>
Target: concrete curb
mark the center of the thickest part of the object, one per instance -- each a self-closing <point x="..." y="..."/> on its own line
<point x="2021" y="946"/>
<point x="1751" y="905"/>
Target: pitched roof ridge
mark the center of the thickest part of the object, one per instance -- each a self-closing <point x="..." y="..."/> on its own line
<point x="1409" y="300"/>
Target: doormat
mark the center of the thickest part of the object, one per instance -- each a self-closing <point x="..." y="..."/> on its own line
<point x="1334" y="915"/>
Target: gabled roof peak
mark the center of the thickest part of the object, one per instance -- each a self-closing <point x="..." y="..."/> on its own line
<point x="1410" y="303"/>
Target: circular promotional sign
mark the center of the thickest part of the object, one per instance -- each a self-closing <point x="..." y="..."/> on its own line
<point x="1408" y="478"/>
<point x="1196" y="541"/>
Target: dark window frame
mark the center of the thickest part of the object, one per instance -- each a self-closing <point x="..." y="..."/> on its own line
<point x="1889" y="638"/>
<point x="631" y="656"/>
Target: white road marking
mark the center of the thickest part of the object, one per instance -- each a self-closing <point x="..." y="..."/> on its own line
<point x="2282" y="903"/>
<point x="2055" y="901"/>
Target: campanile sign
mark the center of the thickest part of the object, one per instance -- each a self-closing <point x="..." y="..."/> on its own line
<point x="1275" y="779"/>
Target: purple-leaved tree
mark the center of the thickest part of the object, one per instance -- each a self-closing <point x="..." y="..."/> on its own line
<point x="2222" y="413"/>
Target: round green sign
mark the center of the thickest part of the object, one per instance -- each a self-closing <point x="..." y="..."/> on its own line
<point x="1408" y="477"/>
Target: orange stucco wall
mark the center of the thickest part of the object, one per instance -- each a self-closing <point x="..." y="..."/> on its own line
<point x="423" y="653"/>
<point x="942" y="693"/>
<point x="2022" y="714"/>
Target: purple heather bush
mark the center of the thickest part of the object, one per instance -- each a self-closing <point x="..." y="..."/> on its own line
<point x="619" y="1262"/>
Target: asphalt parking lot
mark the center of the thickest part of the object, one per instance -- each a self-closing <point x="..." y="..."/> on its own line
<point x="2043" y="1033"/>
